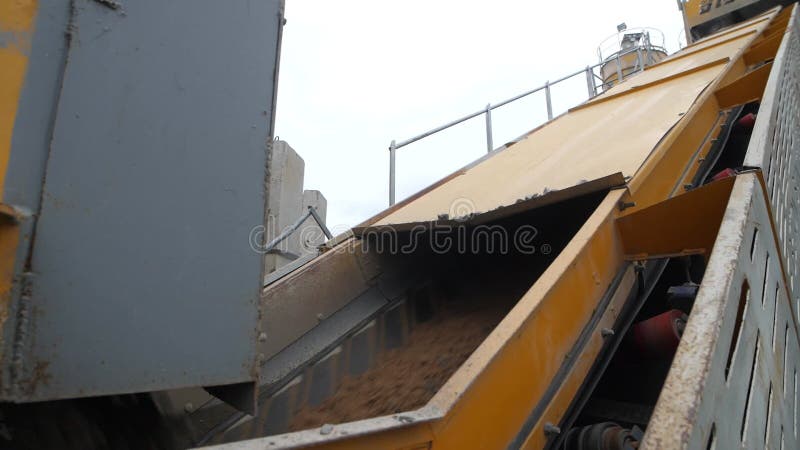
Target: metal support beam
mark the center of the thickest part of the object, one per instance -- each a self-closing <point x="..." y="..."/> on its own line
<point x="548" y="100"/>
<point x="489" y="144"/>
<point x="320" y="222"/>
<point x="746" y="88"/>
<point x="289" y="230"/>
<point x="293" y="227"/>
<point x="646" y="235"/>
<point x="590" y="85"/>
<point x="640" y="59"/>
<point x="392" y="150"/>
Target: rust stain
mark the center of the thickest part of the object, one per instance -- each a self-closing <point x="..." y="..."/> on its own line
<point x="9" y="241"/>
<point x="40" y="375"/>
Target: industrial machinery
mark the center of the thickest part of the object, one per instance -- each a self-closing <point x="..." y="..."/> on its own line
<point x="623" y="276"/>
<point x="628" y="52"/>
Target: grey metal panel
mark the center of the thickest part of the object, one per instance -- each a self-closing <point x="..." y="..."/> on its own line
<point x="731" y="384"/>
<point x="144" y="276"/>
<point x="775" y="147"/>
<point x="37" y="107"/>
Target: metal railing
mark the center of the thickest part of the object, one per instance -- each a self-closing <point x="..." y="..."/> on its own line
<point x="592" y="86"/>
<point x="640" y="37"/>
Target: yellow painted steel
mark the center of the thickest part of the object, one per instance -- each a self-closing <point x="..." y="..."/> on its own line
<point x="492" y="394"/>
<point x="763" y="49"/>
<point x="747" y="88"/>
<point x="17" y="19"/>
<point x="615" y="135"/>
<point x="575" y="378"/>
<point x="653" y="232"/>
<point x="676" y="159"/>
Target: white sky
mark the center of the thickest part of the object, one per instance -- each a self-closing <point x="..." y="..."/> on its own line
<point x="356" y="74"/>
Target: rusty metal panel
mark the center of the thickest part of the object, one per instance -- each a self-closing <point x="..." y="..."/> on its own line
<point x="732" y="382"/>
<point x="775" y="148"/>
<point x="141" y="276"/>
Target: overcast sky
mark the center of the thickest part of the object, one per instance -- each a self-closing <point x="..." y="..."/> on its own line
<point x="356" y="74"/>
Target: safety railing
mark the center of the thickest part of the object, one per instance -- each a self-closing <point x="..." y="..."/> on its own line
<point x="630" y="38"/>
<point x="595" y="84"/>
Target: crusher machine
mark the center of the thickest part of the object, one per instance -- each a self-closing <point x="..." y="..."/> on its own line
<point x="623" y="276"/>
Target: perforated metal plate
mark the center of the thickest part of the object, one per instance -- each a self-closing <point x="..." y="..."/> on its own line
<point x="733" y="382"/>
<point x="775" y="145"/>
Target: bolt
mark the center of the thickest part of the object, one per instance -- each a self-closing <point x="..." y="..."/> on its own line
<point x="625" y="205"/>
<point x="551" y="430"/>
<point x="606" y="332"/>
<point x="688" y="186"/>
<point x="189" y="407"/>
<point x="680" y="326"/>
<point x="262" y="337"/>
<point x="320" y="316"/>
<point x="326" y="429"/>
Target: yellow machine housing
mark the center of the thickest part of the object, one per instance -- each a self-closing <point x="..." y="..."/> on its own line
<point x="705" y="17"/>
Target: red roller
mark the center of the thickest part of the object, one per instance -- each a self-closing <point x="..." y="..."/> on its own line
<point x="659" y="336"/>
<point x="747" y="121"/>
<point x="724" y="174"/>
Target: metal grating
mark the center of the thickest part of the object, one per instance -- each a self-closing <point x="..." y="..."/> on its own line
<point x="733" y="383"/>
<point x="775" y="145"/>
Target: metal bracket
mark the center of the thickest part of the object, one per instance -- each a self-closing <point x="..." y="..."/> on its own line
<point x="682" y="225"/>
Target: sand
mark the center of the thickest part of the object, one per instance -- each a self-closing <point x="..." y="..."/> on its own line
<point x="406" y="378"/>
